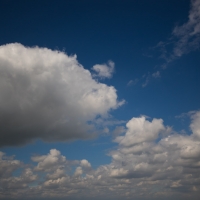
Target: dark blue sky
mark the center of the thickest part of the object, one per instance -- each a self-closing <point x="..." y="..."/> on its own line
<point x="140" y="37"/>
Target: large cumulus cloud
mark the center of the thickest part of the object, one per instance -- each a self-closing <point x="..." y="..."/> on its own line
<point x="48" y="95"/>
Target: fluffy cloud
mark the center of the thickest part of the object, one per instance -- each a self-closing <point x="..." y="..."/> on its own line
<point x="140" y="130"/>
<point x="85" y="164"/>
<point x="149" y="160"/>
<point x="170" y="162"/>
<point x="48" y="95"/>
<point x="104" y="70"/>
<point x="54" y="160"/>
<point x="8" y="182"/>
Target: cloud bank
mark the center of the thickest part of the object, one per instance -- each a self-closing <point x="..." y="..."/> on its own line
<point x="48" y="95"/>
<point x="150" y="160"/>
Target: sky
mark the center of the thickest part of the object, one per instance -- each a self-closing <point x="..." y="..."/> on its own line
<point x="100" y="99"/>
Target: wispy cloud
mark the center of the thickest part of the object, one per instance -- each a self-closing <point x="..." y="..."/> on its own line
<point x="184" y="38"/>
<point x="132" y="82"/>
<point x="148" y="77"/>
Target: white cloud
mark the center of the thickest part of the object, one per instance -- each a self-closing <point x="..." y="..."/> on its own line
<point x="85" y="164"/>
<point x="145" y="160"/>
<point x="172" y="162"/>
<point x="104" y="70"/>
<point x="8" y="165"/>
<point x="78" y="171"/>
<point x="48" y="95"/>
<point x="141" y="130"/>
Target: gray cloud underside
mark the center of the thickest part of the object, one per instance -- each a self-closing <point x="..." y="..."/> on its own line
<point x="141" y="168"/>
<point x="48" y="95"/>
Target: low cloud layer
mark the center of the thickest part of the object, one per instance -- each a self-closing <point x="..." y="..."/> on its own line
<point x="150" y="160"/>
<point x="48" y="95"/>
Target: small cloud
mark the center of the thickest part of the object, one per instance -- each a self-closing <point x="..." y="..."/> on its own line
<point x="104" y="70"/>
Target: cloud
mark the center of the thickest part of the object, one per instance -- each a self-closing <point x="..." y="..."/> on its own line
<point x="9" y="165"/>
<point x="118" y="130"/>
<point x="188" y="34"/>
<point x="195" y="125"/>
<point x="54" y="160"/>
<point x="132" y="82"/>
<point x="150" y="157"/>
<point x="85" y="164"/>
<point x="21" y="182"/>
<point x="185" y="38"/>
<point x="140" y="130"/>
<point x="173" y="160"/>
<point x="48" y="95"/>
<point x="104" y="70"/>
<point x="148" y="77"/>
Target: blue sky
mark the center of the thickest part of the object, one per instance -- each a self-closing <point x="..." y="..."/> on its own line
<point x="99" y="99"/>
